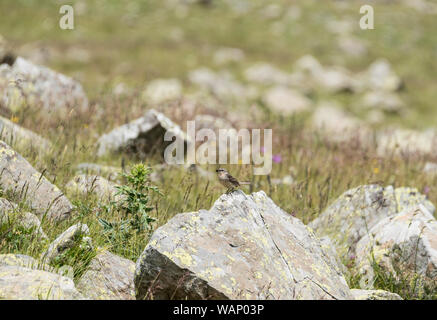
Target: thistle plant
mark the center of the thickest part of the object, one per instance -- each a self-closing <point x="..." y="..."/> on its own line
<point x="133" y="203"/>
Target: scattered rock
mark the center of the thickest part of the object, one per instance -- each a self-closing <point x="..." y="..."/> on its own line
<point x="403" y="245"/>
<point x="68" y="239"/>
<point x="245" y="247"/>
<point x="19" y="137"/>
<point x="162" y="90"/>
<point x="27" y="184"/>
<point x="380" y="76"/>
<point x="266" y="74"/>
<point x="355" y="212"/>
<point x="25" y="84"/>
<point x="108" y="277"/>
<point x="228" y="55"/>
<point x="331" y="79"/>
<point x="20" y="283"/>
<point x="338" y="126"/>
<point x="90" y="184"/>
<point x="335" y="79"/>
<point x="140" y="136"/>
<point x="286" y="101"/>
<point x="374" y="295"/>
<point x="383" y="100"/>
<point x="430" y="167"/>
<point x="221" y="84"/>
<point x="111" y="173"/>
<point x="19" y="260"/>
<point x="352" y="46"/>
<point x="206" y="121"/>
<point x="406" y="142"/>
<point x="287" y="180"/>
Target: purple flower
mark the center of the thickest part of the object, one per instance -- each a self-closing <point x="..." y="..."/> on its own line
<point x="277" y="158"/>
<point x="426" y="190"/>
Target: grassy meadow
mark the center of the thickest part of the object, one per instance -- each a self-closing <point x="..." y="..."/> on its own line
<point x="134" y="42"/>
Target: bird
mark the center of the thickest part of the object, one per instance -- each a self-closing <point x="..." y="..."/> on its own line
<point x="228" y="181"/>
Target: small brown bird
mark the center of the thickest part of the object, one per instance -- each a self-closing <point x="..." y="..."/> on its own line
<point x="228" y="181"/>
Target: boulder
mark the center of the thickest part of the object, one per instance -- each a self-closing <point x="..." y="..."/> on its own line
<point x="266" y="74"/>
<point x="406" y="142"/>
<point x="90" y="184"/>
<point x="18" y="176"/>
<point x="162" y="90"/>
<point x="25" y="84"/>
<point x="69" y="238"/>
<point x="228" y="55"/>
<point x="360" y="294"/>
<point x="221" y="84"/>
<point x="380" y="76"/>
<point x="140" y="136"/>
<point x="20" y="283"/>
<point x="430" y="168"/>
<point x="10" y="214"/>
<point x="244" y="247"/>
<point x="404" y="246"/>
<point x="352" y="46"/>
<point x="338" y="126"/>
<point x="20" y="137"/>
<point x="109" y="172"/>
<point x="355" y="212"/>
<point x="108" y="277"/>
<point x="386" y="101"/>
<point x="335" y="79"/>
<point x="19" y="260"/>
<point x="286" y="101"/>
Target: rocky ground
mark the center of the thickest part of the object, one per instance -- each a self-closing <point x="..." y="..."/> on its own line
<point x="346" y="213"/>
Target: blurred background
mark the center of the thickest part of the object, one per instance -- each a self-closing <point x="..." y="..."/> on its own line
<point x="126" y="44"/>
<point x="347" y="106"/>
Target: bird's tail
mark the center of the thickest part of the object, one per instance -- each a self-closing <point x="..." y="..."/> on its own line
<point x="246" y="183"/>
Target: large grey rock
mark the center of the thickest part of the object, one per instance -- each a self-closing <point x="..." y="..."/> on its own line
<point x="20" y="137"/>
<point x="244" y="247"/>
<point x="20" y="283"/>
<point x="108" y="277"/>
<point x="355" y="212"/>
<point x="360" y="294"/>
<point x="286" y="101"/>
<point x="74" y="235"/>
<point x="403" y="245"/>
<point x="25" y="84"/>
<point x="26" y="183"/>
<point x="19" y="260"/>
<point x="140" y="136"/>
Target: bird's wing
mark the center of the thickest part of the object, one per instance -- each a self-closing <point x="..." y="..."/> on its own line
<point x="233" y="180"/>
